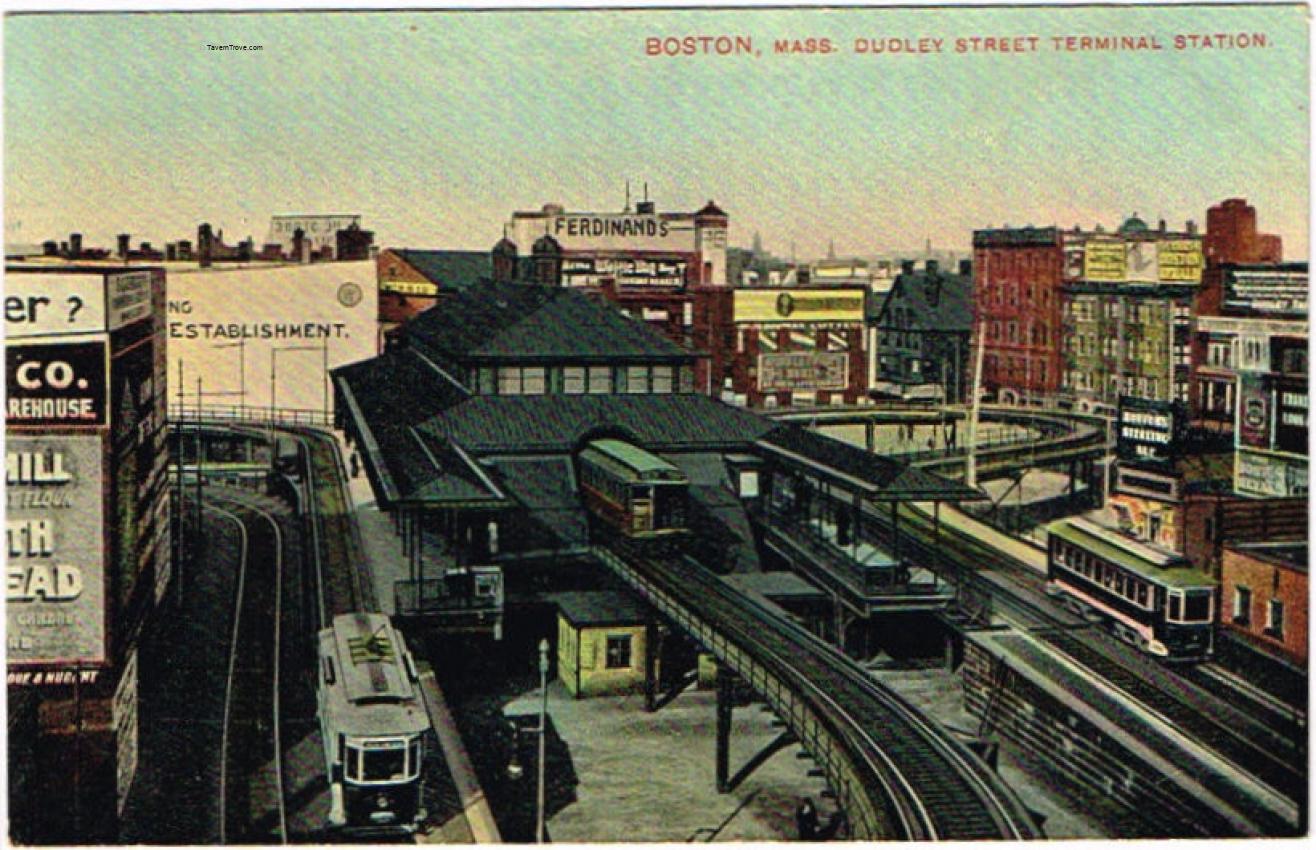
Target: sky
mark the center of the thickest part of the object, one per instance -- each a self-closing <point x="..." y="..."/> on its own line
<point x="436" y="126"/>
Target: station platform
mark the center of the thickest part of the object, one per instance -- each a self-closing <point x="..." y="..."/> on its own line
<point x="1031" y="555"/>
<point x="386" y="565"/>
<point x="1109" y="741"/>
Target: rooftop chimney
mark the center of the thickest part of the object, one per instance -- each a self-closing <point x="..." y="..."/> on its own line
<point x="1161" y="225"/>
<point x="906" y="266"/>
<point x="966" y="268"/>
<point x="1191" y="227"/>
<point x="123" y="246"/>
<point x="75" y="244"/>
<point x="300" y="254"/>
<point x="930" y="267"/>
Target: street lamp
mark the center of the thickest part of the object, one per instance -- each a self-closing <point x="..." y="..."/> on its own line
<point x="543" y="734"/>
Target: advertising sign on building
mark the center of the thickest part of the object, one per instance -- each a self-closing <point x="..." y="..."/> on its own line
<point x="803" y="371"/>
<point x="128" y="298"/>
<point x="56" y="384"/>
<point x="605" y="231"/>
<point x="46" y="304"/>
<point x="798" y="306"/>
<point x="1147" y="430"/>
<point x="1258" y="474"/>
<point x="55" y="593"/>
<point x="269" y="343"/>
<point x="1140" y="262"/>
<point x="319" y="230"/>
<point x="1180" y="260"/>
<point x="1253" y="411"/>
<point x="124" y="716"/>
<point x="1104" y="260"/>
<point x="1073" y="262"/>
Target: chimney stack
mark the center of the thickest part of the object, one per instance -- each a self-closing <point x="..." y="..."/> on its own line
<point x="299" y="246"/>
<point x="966" y="268"/>
<point x="75" y="245"/>
<point x="930" y="266"/>
<point x="1191" y="227"/>
<point x="123" y="246"/>
<point x="906" y="266"/>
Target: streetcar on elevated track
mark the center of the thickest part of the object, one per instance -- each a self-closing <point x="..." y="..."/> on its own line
<point x="372" y="721"/>
<point x="1151" y="598"/>
<point x="631" y="491"/>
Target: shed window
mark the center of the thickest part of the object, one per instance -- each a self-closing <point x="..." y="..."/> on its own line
<point x="1275" y="618"/>
<point x="1242" y="605"/>
<point x="619" y="652"/>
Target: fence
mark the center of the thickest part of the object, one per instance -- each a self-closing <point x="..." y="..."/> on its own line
<point x="249" y="414"/>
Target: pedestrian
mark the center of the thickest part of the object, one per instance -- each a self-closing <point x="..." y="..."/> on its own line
<point x="356" y="465"/>
<point x="806" y="820"/>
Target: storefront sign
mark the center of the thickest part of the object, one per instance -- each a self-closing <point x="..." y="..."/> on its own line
<point x="55" y="594"/>
<point x="803" y="371"/>
<point x="1147" y="430"/>
<point x="56" y="384"/>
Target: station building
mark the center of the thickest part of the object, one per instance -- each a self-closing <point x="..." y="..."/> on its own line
<point x="89" y="537"/>
<point x="472" y="427"/>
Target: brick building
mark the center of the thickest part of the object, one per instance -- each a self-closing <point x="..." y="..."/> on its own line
<point x="1264" y="597"/>
<point x="411" y="281"/>
<point x="645" y="261"/>
<point x="781" y="346"/>
<point x="1017" y="275"/>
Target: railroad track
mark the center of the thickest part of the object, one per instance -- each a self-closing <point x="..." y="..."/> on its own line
<point x="1268" y="751"/>
<point x="252" y="718"/>
<point x="927" y="784"/>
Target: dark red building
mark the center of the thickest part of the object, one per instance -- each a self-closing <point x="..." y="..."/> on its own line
<point x="1017" y="277"/>
<point x="1232" y="237"/>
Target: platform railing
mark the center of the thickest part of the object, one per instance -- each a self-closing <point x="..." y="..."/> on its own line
<point x="249" y="414"/>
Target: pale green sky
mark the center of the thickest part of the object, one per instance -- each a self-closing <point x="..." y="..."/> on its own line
<point x="435" y="126"/>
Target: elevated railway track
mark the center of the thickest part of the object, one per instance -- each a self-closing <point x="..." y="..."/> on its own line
<point x="896" y="774"/>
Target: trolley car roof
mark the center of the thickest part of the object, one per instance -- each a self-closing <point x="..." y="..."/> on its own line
<point x="1152" y="564"/>
<point x="637" y="463"/>
<point x="371" y="693"/>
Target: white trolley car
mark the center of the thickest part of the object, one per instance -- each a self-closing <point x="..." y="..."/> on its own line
<point x="372" y="719"/>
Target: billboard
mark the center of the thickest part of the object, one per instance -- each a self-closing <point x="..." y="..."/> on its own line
<point x="605" y="231"/>
<point x="56" y="384"/>
<point x="319" y="230"/>
<point x="1148" y="431"/>
<point x="55" y="587"/>
<point x="56" y="303"/>
<point x="1253" y="411"/>
<point x="1180" y="260"/>
<point x="261" y="334"/>
<point x="1266" y="475"/>
<point x="798" y="305"/>
<point x="1104" y="260"/>
<point x="1141" y="263"/>
<point x="803" y="371"/>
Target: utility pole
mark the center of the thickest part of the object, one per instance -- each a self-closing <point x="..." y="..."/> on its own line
<point x="970" y="460"/>
<point x="543" y="735"/>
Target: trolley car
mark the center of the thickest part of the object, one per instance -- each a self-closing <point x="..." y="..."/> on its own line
<point x="372" y="721"/>
<point x="1151" y="598"/>
<point x="632" y="491"/>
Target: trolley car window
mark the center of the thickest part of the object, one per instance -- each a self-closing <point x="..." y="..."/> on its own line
<point x="1175" y="607"/>
<point x="352" y="761"/>
<point x="1197" y="606"/>
<point x="383" y="764"/>
<point x="415" y="757"/>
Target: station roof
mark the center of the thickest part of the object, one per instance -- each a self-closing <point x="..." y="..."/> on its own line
<point x="876" y="476"/>
<point x="499" y="322"/>
<point x="490" y="424"/>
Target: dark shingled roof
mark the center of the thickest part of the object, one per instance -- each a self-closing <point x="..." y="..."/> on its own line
<point x="525" y="323"/>
<point x="952" y="313"/>
<point x="449" y="269"/>
<point x="601" y="608"/>
<point x="882" y="477"/>
<point x="559" y="423"/>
